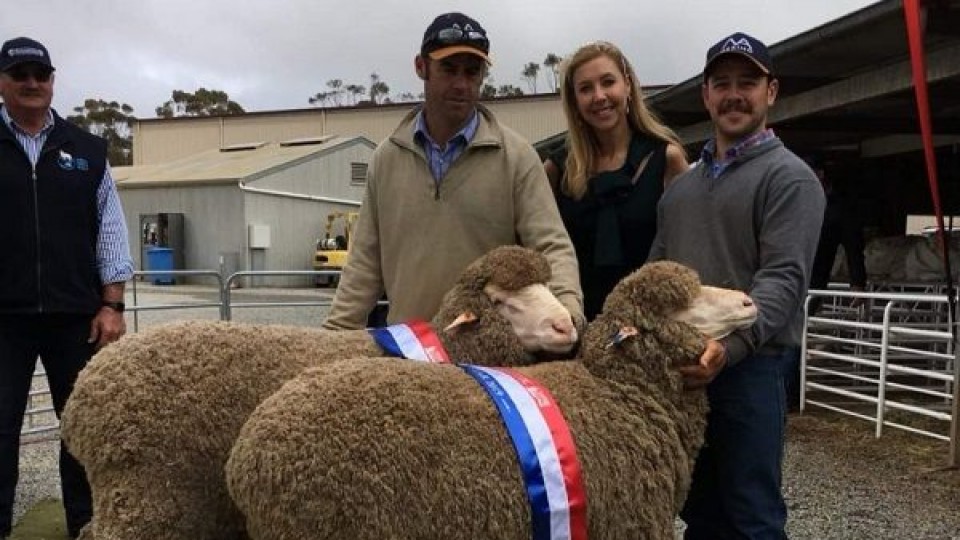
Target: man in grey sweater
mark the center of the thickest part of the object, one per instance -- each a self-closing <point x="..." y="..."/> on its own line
<point x="746" y="216"/>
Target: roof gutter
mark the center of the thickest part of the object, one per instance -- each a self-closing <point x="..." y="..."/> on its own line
<point x="298" y="196"/>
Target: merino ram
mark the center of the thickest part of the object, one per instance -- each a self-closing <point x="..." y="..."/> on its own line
<point x="154" y="416"/>
<point x="374" y="449"/>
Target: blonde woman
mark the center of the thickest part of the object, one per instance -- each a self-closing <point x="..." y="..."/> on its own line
<point x="613" y="169"/>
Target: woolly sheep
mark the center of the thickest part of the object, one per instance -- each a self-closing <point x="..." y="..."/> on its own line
<point x="377" y="449"/>
<point x="153" y="417"/>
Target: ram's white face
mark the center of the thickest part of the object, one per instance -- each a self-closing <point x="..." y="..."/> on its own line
<point x="537" y="317"/>
<point x="717" y="312"/>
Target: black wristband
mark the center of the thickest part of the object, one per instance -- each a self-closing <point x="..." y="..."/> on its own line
<point x="116" y="306"/>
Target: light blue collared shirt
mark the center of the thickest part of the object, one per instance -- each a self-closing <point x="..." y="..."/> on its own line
<point x="113" y="248"/>
<point x="440" y="158"/>
<point x="717" y="166"/>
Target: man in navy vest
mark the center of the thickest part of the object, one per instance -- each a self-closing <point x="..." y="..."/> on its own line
<point x="64" y="259"/>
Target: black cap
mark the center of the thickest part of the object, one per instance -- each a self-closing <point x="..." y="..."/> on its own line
<point x="23" y="50"/>
<point x="454" y="33"/>
<point x="744" y="45"/>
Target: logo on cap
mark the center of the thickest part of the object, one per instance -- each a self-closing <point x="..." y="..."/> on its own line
<point x="737" y="45"/>
<point x="26" y="51"/>
<point x="742" y="44"/>
<point x="453" y="33"/>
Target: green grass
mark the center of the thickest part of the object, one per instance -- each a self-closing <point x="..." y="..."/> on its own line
<point x="44" y="521"/>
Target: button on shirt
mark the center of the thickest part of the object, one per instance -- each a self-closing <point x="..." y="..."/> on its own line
<point x="113" y="249"/>
<point x="717" y="166"/>
<point x="438" y="158"/>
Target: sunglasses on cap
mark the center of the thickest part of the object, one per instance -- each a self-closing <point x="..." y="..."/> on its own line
<point x="21" y="73"/>
<point x="458" y="36"/>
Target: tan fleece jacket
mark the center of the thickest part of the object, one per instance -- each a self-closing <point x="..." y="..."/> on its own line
<point x="414" y="236"/>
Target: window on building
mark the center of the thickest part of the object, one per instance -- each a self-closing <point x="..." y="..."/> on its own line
<point x="358" y="174"/>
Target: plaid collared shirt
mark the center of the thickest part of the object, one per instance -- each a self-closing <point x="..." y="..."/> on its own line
<point x="440" y="158"/>
<point x="717" y="166"/>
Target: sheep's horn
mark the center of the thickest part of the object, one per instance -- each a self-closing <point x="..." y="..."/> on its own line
<point x="620" y="335"/>
<point x="463" y="318"/>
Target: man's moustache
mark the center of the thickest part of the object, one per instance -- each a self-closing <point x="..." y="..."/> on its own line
<point x="736" y="106"/>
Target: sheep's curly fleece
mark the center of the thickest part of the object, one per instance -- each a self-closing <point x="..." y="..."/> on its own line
<point x="374" y="449"/>
<point x="153" y="417"/>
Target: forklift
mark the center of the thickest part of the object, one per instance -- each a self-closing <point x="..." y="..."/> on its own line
<point x="332" y="250"/>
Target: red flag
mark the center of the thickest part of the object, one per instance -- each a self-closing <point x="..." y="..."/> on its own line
<point x="918" y="62"/>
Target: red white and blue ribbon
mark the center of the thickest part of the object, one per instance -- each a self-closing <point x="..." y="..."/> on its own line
<point x="545" y="450"/>
<point x="415" y="340"/>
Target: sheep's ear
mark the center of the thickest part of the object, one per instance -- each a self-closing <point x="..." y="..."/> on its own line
<point x="466" y="317"/>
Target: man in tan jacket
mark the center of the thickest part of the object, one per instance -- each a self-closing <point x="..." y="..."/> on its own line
<point x="447" y="186"/>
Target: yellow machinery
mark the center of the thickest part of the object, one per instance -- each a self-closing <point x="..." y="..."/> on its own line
<point x="333" y="248"/>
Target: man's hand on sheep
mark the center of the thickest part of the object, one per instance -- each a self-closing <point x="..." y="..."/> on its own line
<point x="711" y="363"/>
<point x="716" y="312"/>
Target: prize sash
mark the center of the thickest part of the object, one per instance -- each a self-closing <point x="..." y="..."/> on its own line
<point x="415" y="340"/>
<point x="545" y="450"/>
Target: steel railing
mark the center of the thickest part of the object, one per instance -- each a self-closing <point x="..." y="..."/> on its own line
<point x="39" y="402"/>
<point x="908" y="352"/>
<point x="864" y="366"/>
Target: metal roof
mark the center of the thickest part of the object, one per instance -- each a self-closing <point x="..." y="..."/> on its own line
<point x="237" y="163"/>
<point x="846" y="82"/>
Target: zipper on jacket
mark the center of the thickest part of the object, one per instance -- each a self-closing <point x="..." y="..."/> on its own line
<point x="36" y="218"/>
<point x="36" y="230"/>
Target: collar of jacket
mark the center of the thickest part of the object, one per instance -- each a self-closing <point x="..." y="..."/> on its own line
<point x="55" y="138"/>
<point x="488" y="132"/>
<point x="747" y="154"/>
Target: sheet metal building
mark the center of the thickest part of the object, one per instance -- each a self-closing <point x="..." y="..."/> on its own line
<point x="158" y="140"/>
<point x="256" y="206"/>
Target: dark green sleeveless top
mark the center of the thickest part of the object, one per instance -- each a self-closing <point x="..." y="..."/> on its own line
<point x="613" y="225"/>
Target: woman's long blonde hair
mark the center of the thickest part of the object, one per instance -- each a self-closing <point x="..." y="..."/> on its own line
<point x="581" y="141"/>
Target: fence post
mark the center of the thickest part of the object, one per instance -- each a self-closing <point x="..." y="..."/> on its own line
<point x="136" y="313"/>
<point x="225" y="311"/>
<point x="955" y="415"/>
<point x="884" y="357"/>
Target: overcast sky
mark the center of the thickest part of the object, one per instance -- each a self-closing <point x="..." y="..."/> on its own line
<point x="270" y="55"/>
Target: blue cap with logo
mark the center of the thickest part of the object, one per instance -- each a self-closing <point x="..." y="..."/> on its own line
<point x="23" y="50"/>
<point x="744" y="45"/>
<point x="454" y="33"/>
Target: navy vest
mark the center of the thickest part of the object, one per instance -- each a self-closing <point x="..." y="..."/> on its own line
<point x="49" y="222"/>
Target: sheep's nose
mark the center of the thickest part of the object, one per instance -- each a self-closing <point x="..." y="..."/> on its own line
<point x="747" y="302"/>
<point x="563" y="327"/>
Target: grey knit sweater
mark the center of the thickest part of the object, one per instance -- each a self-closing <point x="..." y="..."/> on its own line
<point x="753" y="228"/>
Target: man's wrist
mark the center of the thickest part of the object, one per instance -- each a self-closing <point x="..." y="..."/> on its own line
<point x="117" y="306"/>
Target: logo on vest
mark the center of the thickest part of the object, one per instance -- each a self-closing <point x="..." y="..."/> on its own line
<point x="68" y="163"/>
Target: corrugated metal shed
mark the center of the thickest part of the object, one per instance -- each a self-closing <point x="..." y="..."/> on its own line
<point x="158" y="140"/>
<point x="242" y="161"/>
<point x="282" y="191"/>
